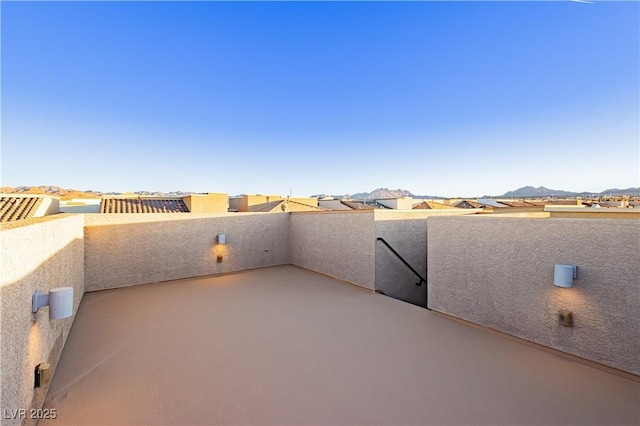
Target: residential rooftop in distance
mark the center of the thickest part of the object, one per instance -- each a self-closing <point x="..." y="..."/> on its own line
<point x="143" y="205"/>
<point x="15" y="207"/>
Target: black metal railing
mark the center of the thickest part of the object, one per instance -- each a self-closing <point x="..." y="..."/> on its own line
<point x="417" y="274"/>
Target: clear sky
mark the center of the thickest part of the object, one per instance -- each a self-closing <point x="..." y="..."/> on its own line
<point x="440" y="98"/>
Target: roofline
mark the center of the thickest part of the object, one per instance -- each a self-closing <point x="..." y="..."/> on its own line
<point x="144" y="197"/>
<point x="29" y="195"/>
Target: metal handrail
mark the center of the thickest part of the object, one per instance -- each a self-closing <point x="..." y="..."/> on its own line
<point x="422" y="279"/>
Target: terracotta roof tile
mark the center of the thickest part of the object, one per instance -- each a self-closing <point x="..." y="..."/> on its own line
<point x="429" y="205"/>
<point x="517" y="203"/>
<point x="16" y="208"/>
<point x="357" y="206"/>
<point x="468" y="204"/>
<point x="143" y="205"/>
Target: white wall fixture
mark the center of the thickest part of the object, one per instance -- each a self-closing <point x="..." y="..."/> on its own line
<point x="564" y="275"/>
<point x="222" y="238"/>
<point x="60" y="301"/>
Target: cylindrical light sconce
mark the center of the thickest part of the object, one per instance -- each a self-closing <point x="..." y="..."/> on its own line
<point x="222" y="239"/>
<point x="564" y="275"/>
<point x="60" y="301"/>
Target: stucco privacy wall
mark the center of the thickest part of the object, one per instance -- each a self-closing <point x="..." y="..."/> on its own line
<point x="498" y="272"/>
<point x="341" y="245"/>
<point x="36" y="254"/>
<point x="124" y="249"/>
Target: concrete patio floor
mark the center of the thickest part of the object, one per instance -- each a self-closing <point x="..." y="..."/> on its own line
<point x="284" y="345"/>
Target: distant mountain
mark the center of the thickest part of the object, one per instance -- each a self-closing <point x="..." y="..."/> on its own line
<point x="67" y="194"/>
<point x="634" y="192"/>
<point x="163" y="194"/>
<point x="50" y="190"/>
<point x="377" y="194"/>
<point x="541" y="192"/>
<point x="381" y="193"/>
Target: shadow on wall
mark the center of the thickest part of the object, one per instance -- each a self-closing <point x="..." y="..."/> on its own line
<point x="120" y="255"/>
<point x="30" y="339"/>
<point x="393" y="278"/>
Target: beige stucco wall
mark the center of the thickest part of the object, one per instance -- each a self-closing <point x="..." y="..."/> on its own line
<point x="309" y="201"/>
<point x="35" y="254"/>
<point x="207" y="203"/>
<point x="498" y="272"/>
<point x="402" y="203"/>
<point x="343" y="245"/>
<point x="593" y="213"/>
<point x="138" y="249"/>
<point x="516" y="210"/>
<point x="242" y="203"/>
<point x="338" y="244"/>
<point x="238" y="204"/>
<point x="50" y="205"/>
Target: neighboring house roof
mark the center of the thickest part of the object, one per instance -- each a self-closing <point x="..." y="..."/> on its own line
<point x="430" y="205"/>
<point x="600" y="204"/>
<point x="266" y="207"/>
<point x="354" y="205"/>
<point x="518" y="203"/>
<point x="491" y="203"/>
<point x="16" y="208"/>
<point x="143" y="205"/>
<point x="559" y="202"/>
<point x="468" y="204"/>
<point x="283" y="206"/>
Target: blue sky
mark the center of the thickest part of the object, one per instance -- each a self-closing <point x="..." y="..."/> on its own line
<point x="440" y="98"/>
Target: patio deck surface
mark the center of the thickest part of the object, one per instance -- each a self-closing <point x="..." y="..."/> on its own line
<point x="284" y="345"/>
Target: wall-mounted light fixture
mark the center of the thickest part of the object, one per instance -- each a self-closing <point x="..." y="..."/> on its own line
<point x="43" y="374"/>
<point x="60" y="301"/>
<point x="564" y="275"/>
<point x="222" y="239"/>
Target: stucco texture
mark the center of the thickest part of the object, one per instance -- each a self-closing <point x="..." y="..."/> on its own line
<point x="498" y="272"/>
<point x="341" y="245"/>
<point x="39" y="255"/>
<point x="123" y="251"/>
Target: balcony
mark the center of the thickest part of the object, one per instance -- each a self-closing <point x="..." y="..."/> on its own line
<point x="288" y="330"/>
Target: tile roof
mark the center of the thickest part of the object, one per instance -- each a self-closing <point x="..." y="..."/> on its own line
<point x="16" y="208"/>
<point x="143" y="205"/>
<point x="557" y="202"/>
<point x="354" y="205"/>
<point x="430" y="205"/>
<point x="518" y="203"/>
<point x="468" y="204"/>
<point x="603" y="204"/>
<point x="491" y="203"/>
